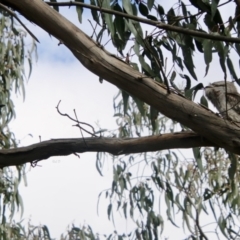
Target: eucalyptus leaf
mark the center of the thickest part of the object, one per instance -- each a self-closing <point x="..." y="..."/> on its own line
<point x="204" y="101"/>
<point x="207" y="48"/>
<point x="140" y="105"/>
<point x="160" y="10"/>
<point x="108" y="17"/>
<point x="125" y="97"/>
<point x="143" y="9"/>
<point x="151" y="17"/>
<point x="187" y="55"/>
<point x="94" y="12"/>
<point x="150" y="4"/>
<point x="153" y="117"/>
<point x="127" y="6"/>
<point x="79" y="10"/>
<point x="136" y="30"/>
<point x="231" y="69"/>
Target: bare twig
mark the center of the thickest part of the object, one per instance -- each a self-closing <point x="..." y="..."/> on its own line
<point x="78" y="122"/>
<point x="78" y="125"/>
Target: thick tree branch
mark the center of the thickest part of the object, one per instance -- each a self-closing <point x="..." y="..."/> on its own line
<point x="158" y="24"/>
<point x="221" y="132"/>
<point x="115" y="146"/>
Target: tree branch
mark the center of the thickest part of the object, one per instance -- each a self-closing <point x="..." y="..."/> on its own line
<point x="115" y="146"/>
<point x="221" y="132"/>
<point x="158" y="24"/>
<point x="16" y="17"/>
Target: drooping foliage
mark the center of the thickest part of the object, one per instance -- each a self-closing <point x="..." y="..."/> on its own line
<point x="192" y="188"/>
<point x="13" y="56"/>
<point x="167" y="186"/>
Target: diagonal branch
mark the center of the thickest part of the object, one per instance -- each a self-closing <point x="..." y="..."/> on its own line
<point x="115" y="146"/>
<point x="221" y="132"/>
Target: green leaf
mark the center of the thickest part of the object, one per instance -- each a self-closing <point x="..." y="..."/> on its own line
<point x="166" y="44"/>
<point x="136" y="30"/>
<point x="143" y="9"/>
<point x="171" y="17"/>
<point x="173" y="76"/>
<point x="187" y="55"/>
<point x="109" y="210"/>
<point x="231" y="25"/>
<point x="204" y="101"/>
<point x="150" y="4"/>
<point x="100" y="34"/>
<point x="188" y="85"/>
<point x="214" y="7"/>
<point x="160" y="10"/>
<point x="118" y="43"/>
<point x="108" y="17"/>
<point x="169" y="192"/>
<point x="237" y="46"/>
<point x="212" y="207"/>
<point x="176" y="180"/>
<point x="210" y="23"/>
<point x="19" y="202"/>
<point x="184" y="9"/>
<point x="135" y="10"/>
<point x="231" y="69"/>
<point x="30" y="67"/>
<point x="125" y="97"/>
<point x="125" y="209"/>
<point x="233" y="167"/>
<point x="152" y="17"/>
<point x="207" y="48"/>
<point x="46" y="232"/>
<point x="197" y="156"/>
<point x="140" y="106"/>
<point x="197" y="88"/>
<point x="79" y="10"/>
<point x="98" y="164"/>
<point x="119" y="22"/>
<point x="146" y="67"/>
<point x="222" y="225"/>
<point x="200" y="5"/>
<point x="127" y="6"/>
<point x="223" y="66"/>
<point x="94" y="12"/>
<point x="153" y="117"/>
<point x="199" y="45"/>
<point x="222" y="53"/>
<point x="136" y="48"/>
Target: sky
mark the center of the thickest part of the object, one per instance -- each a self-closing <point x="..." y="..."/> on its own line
<point x="64" y="190"/>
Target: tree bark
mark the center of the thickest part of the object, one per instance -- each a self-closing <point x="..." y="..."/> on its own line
<point x="220" y="132"/>
<point x="115" y="146"/>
